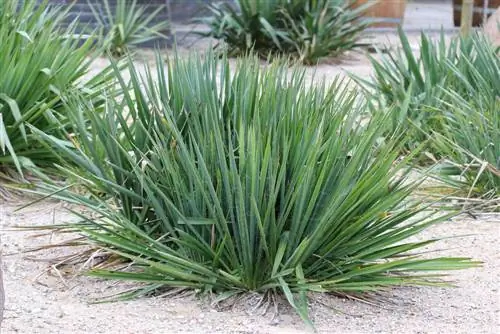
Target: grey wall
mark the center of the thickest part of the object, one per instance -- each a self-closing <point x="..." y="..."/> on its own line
<point x="182" y="11"/>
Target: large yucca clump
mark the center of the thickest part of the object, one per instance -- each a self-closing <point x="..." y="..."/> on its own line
<point x="247" y="181"/>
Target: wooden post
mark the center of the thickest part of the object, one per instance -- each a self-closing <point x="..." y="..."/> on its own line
<point x="171" y="28"/>
<point x="467" y="12"/>
<point x="486" y="6"/>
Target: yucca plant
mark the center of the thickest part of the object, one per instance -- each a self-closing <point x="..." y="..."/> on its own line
<point x="40" y="62"/>
<point x="468" y="143"/>
<point x="405" y="78"/>
<point x="466" y="66"/>
<point x="125" y="24"/>
<point x="323" y="28"/>
<point x="448" y="95"/>
<point x="252" y="24"/>
<point x="470" y="148"/>
<point x="396" y="72"/>
<point x="246" y="181"/>
<point x="471" y="136"/>
<point x="306" y="29"/>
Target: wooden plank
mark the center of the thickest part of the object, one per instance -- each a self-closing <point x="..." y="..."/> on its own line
<point x="466" y="20"/>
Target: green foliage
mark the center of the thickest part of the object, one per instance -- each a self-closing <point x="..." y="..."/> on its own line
<point x="40" y="63"/>
<point x="470" y="145"/>
<point x="448" y="94"/>
<point x="246" y="181"/>
<point x="470" y="138"/>
<point x="467" y="66"/>
<point x="306" y="29"/>
<point x="125" y="24"/>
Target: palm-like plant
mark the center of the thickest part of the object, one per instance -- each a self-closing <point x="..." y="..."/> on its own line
<point x="126" y="24"/>
<point x="306" y="29"/>
<point x="246" y="181"/>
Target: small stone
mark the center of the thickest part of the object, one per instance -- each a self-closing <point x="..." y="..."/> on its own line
<point x="274" y="322"/>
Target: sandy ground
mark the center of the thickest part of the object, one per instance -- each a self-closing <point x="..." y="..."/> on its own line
<point x="40" y="301"/>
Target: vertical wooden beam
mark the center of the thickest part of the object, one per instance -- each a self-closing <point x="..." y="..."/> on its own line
<point x="486" y="6"/>
<point x="170" y="23"/>
<point x="467" y="13"/>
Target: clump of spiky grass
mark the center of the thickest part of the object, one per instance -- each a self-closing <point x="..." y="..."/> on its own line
<point x="306" y="29"/>
<point x="448" y="95"/>
<point x="247" y="181"/>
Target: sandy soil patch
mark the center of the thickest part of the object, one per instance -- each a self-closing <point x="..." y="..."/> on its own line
<point x="38" y="301"/>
